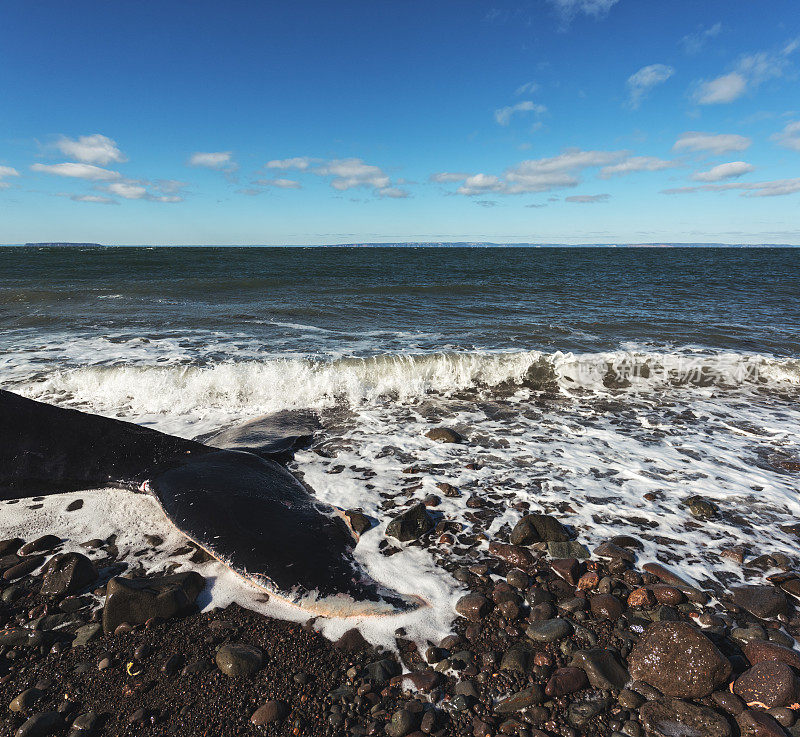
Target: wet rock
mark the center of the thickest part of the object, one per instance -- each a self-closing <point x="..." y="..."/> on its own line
<point x="270" y="713"/>
<point x="516" y="659"/>
<point x="411" y="524"/>
<point x="668" y="577"/>
<point x="40" y="545"/>
<point x="10" y="545"/>
<point x="513" y="554"/>
<point x="403" y="722"/>
<point x="566" y="681"/>
<point x="678" y="660"/>
<point x="41" y="725"/>
<point x="675" y="718"/>
<point x="448" y="489"/>
<point x="424" y="680"/>
<point x="760" y="651"/>
<point x="521" y="700"/>
<point x="606" y="606"/>
<point x="86" y="634"/>
<point x="137" y="600"/>
<point x="758" y="724"/>
<point x="237" y="660"/>
<point x="700" y="507"/>
<point x="566" y="568"/>
<point x="728" y="701"/>
<point x="26" y="700"/>
<point x="785" y="717"/>
<point x="67" y="573"/>
<point x="570" y="549"/>
<point x="763" y="602"/>
<point x="641" y="598"/>
<point x="768" y="684"/>
<point x="615" y="552"/>
<point x="602" y="668"/>
<point x="86" y="723"/>
<point x="580" y="713"/>
<point x="351" y="641"/>
<point x="444" y="435"/>
<point x="549" y="631"/>
<point x="382" y="671"/>
<point x="474" y="607"/>
<point x="13" y="594"/>
<point x="534" y="528"/>
<point x="358" y="521"/>
<point x="27" y="565"/>
<point x="669" y="595"/>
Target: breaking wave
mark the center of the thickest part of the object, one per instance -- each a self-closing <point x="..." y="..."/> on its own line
<point x="266" y="386"/>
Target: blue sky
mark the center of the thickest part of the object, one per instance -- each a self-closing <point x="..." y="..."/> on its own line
<point x="570" y="121"/>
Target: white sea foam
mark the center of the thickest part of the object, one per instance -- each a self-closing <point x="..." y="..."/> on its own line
<point x="628" y="436"/>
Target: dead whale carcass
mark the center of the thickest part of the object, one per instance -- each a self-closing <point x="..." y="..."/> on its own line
<point x="246" y="510"/>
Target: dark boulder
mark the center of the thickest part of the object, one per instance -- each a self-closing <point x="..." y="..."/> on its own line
<point x="679" y="661"/>
<point x="135" y="600"/>
<point x="672" y="717"/>
<point x="238" y="660"/>
<point x="67" y="573"/>
<point x="769" y="685"/>
<point x="444" y="435"/>
<point x="763" y="602"/>
<point x="533" y="528"/>
<point x="410" y="524"/>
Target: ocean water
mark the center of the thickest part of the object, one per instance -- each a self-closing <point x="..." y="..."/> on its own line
<point x="605" y="386"/>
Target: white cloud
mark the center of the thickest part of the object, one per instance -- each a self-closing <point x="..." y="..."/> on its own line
<point x="219" y="160"/>
<point x="480" y="183"/>
<point x="716" y="144"/>
<point x="7" y="171"/>
<point x="298" y="162"/>
<point x="448" y="176"/>
<point x="526" y="89"/>
<point x="693" y="43"/>
<point x="541" y="175"/>
<point x="789" y="137"/>
<point x="280" y="183"/>
<point x="751" y="70"/>
<point x="723" y="171"/>
<point x="394" y="193"/>
<point x="78" y="171"/>
<point x="128" y="190"/>
<point x="94" y="149"/>
<point x="344" y="174"/>
<point x="634" y="164"/>
<point x="570" y="8"/>
<point x="640" y="83"/>
<point x="588" y="199"/>
<point x="170" y="186"/>
<point x="94" y="198"/>
<point x="132" y="189"/>
<point x="504" y="114"/>
<point x="352" y="173"/>
<point x="726" y="88"/>
<point x="775" y="188"/>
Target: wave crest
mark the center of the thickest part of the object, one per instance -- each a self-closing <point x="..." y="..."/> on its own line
<point x="268" y="386"/>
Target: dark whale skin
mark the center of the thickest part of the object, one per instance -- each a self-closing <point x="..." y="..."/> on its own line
<point x="261" y="521"/>
<point x="47" y="450"/>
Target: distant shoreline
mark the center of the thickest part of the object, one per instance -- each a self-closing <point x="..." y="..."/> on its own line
<point x="403" y="245"/>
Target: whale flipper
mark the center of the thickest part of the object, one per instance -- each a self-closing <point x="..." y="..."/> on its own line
<point x="256" y="517"/>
